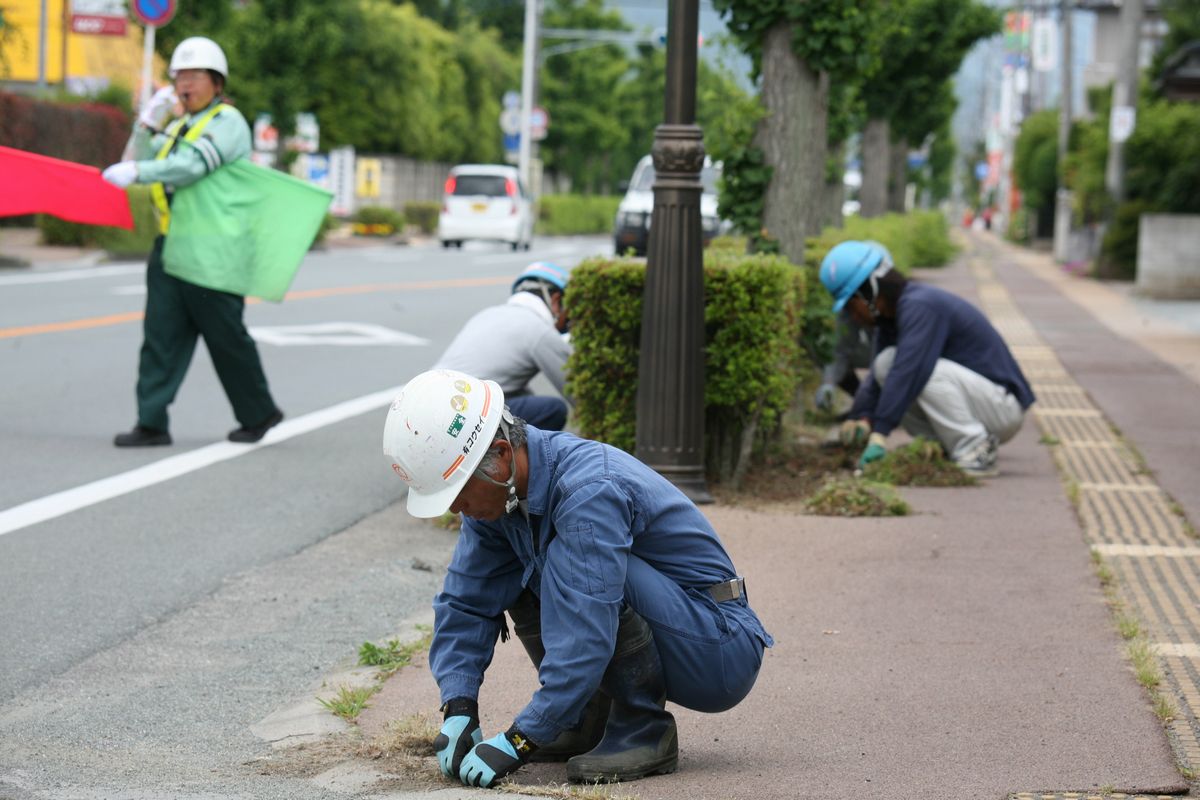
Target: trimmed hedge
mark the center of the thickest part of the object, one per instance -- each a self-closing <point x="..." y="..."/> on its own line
<point x="575" y="214"/>
<point x="86" y="133"/>
<point x="117" y="242"/>
<point x="423" y="214"/>
<point x="752" y="325"/>
<point x="377" y="221"/>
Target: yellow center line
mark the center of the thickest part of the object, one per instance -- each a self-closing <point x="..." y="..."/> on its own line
<point x="307" y="294"/>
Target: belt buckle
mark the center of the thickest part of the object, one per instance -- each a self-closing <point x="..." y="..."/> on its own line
<point x="737" y="587"/>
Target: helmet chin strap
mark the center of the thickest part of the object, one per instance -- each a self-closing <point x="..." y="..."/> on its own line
<point x="883" y="269"/>
<point x="511" y="501"/>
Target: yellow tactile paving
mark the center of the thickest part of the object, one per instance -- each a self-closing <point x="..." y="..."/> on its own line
<point x="1126" y="517"/>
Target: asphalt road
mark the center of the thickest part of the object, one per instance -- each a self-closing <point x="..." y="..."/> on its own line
<point x="103" y="552"/>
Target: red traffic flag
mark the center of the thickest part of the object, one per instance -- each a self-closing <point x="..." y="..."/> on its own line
<point x="36" y="184"/>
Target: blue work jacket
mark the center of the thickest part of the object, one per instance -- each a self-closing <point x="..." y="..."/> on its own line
<point x="590" y="507"/>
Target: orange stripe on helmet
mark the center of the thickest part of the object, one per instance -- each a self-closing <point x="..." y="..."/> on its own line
<point x="487" y="399"/>
<point x="446" y="475"/>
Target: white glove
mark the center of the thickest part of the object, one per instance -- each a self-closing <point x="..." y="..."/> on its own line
<point x="121" y="174"/>
<point x="158" y="108"/>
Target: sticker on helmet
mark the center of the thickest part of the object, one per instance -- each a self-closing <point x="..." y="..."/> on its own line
<point x="463" y="387"/>
<point x="458" y="403"/>
<point x="399" y="470"/>
<point x="456" y="426"/>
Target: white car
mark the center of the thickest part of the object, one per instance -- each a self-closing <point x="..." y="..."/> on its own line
<point x="631" y="230"/>
<point x="485" y="201"/>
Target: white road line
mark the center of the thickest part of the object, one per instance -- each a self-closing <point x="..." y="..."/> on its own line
<point x="57" y="505"/>
<point x="1181" y="650"/>
<point x="58" y="276"/>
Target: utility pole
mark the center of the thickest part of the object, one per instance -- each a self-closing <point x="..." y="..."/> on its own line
<point x="1124" y="99"/>
<point x="528" y="63"/>
<point x="670" y="398"/>
<point x="42" y="26"/>
<point x="1062" y="198"/>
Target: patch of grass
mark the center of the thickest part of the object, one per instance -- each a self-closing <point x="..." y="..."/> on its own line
<point x="1128" y="626"/>
<point x="566" y="791"/>
<point x="848" y="497"/>
<point x="349" y="701"/>
<point x="410" y="736"/>
<point x="1049" y="440"/>
<point x="1187" y="772"/>
<point x="1145" y="666"/>
<point x="920" y="463"/>
<point x="392" y="654"/>
<point x="447" y="521"/>
<point x="1073" y="493"/>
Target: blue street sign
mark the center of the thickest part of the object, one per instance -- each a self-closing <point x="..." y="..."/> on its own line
<point x="512" y="143"/>
<point x="154" y="12"/>
<point x="981" y="170"/>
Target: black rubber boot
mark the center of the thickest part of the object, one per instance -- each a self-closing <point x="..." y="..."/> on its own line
<point x="527" y="625"/>
<point x="640" y="738"/>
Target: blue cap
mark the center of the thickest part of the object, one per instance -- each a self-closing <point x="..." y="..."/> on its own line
<point x="545" y="272"/>
<point x="847" y="266"/>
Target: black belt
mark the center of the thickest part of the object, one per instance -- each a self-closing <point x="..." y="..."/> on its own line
<point x="728" y="590"/>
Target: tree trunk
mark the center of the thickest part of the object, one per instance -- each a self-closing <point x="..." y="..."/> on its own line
<point x="873" y="195"/>
<point x="898" y="176"/>
<point x="835" y="190"/>
<point x="792" y="138"/>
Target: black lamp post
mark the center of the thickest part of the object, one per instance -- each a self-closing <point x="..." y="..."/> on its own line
<point x="670" y="403"/>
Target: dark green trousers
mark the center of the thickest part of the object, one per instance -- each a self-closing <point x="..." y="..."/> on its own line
<point x="176" y="313"/>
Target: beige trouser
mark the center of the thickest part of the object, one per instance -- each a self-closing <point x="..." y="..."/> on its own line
<point x="957" y="407"/>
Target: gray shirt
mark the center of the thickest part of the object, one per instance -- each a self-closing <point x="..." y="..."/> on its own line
<point x="509" y="344"/>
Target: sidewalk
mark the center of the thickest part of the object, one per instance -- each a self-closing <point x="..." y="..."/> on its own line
<point x="965" y="651"/>
<point x="21" y="247"/>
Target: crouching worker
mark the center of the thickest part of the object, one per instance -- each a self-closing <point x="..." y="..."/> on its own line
<point x="939" y="367"/>
<point x="617" y="586"/>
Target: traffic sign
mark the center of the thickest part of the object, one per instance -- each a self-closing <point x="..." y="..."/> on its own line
<point x="539" y="121"/>
<point x="512" y="99"/>
<point x="510" y="121"/>
<point x="154" y="12"/>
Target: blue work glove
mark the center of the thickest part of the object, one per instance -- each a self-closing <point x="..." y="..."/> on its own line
<point x="500" y="755"/>
<point x="823" y="398"/>
<point x="876" y="449"/>
<point x="460" y="732"/>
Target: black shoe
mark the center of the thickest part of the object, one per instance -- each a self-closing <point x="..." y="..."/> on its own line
<point x="251" y="435"/>
<point x="141" y="436"/>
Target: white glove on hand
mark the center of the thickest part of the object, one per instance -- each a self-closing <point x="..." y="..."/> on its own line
<point x="121" y="174"/>
<point x="158" y="109"/>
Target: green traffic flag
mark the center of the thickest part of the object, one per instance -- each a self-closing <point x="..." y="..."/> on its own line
<point x="244" y="229"/>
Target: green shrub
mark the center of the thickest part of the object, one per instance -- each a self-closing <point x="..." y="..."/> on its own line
<point x="137" y="243"/>
<point x="737" y="245"/>
<point x="379" y="215"/>
<point x="575" y="214"/>
<point x="62" y="233"/>
<point x="752" y="325"/>
<point x="328" y="223"/>
<point x="423" y="214"/>
<point x="117" y="242"/>
<point x="1118" y="251"/>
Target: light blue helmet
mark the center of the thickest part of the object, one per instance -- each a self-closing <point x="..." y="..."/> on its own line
<point x="849" y="265"/>
<point x="540" y="273"/>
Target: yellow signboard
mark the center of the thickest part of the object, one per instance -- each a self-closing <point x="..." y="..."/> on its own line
<point x="369" y="176"/>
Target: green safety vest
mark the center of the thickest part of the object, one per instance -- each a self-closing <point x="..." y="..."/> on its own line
<point x="158" y="192"/>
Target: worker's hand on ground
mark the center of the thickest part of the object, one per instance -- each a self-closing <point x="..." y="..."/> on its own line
<point x="855" y="432"/>
<point x="876" y="449"/>
<point x="121" y="174"/>
<point x="500" y="755"/>
<point x="158" y="108"/>
<point x="823" y="398"/>
<point x="460" y="732"/>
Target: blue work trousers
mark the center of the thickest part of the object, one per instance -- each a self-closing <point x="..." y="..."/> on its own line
<point x="543" y="413"/>
<point x="710" y="660"/>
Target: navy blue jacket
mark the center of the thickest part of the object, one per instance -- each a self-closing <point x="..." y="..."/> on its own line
<point x="930" y="324"/>
<point x="591" y="506"/>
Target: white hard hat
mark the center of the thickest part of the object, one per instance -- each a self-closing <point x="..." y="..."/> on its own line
<point x="437" y="431"/>
<point x="197" y="52"/>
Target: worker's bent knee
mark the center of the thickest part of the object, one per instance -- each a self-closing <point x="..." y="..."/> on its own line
<point x="711" y="678"/>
